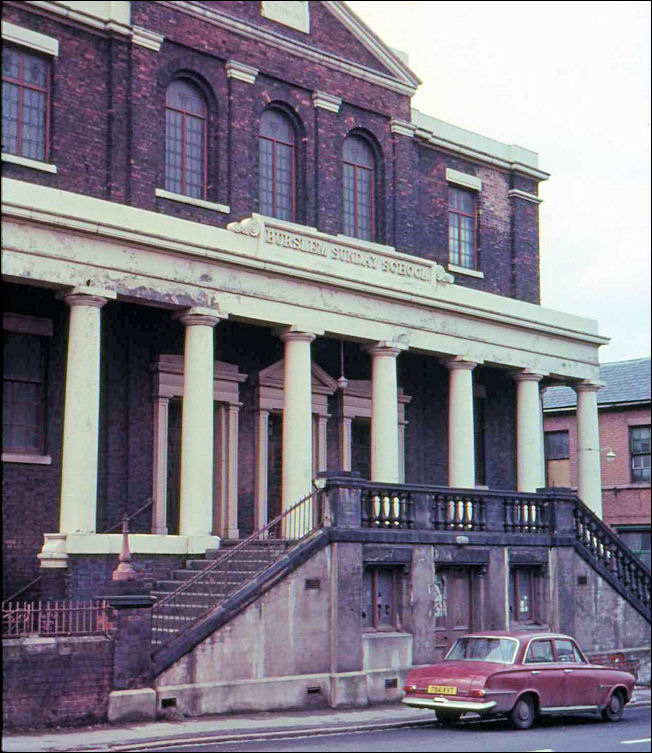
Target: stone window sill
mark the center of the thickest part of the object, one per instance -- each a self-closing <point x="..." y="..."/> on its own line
<point x="161" y="193"/>
<point x="17" y="457"/>
<point x="465" y="271"/>
<point x="34" y="164"/>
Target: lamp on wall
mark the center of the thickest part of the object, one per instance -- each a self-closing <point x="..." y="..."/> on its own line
<point x="342" y="382"/>
<point x="610" y="455"/>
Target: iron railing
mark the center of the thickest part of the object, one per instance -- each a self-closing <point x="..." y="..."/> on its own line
<point x="608" y="550"/>
<point x="55" y="618"/>
<point x="220" y="579"/>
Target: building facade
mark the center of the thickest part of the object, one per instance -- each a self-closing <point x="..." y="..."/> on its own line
<point x="234" y="259"/>
<point x="624" y="414"/>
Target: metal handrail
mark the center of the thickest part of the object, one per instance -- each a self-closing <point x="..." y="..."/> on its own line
<point x="148" y="503"/>
<point x="255" y="536"/>
<point x="21" y="590"/>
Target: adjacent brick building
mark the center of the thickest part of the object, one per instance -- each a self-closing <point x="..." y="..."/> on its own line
<point x="236" y="259"/>
<point x="624" y="408"/>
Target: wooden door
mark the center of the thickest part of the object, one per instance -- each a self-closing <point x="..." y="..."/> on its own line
<point x="174" y="466"/>
<point x="453" y="605"/>
<point x="274" y="464"/>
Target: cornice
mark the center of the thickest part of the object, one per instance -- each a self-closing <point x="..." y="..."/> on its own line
<point x="402" y="85"/>
<point x="429" y="139"/>
<point x="518" y="194"/>
<point x="102" y="219"/>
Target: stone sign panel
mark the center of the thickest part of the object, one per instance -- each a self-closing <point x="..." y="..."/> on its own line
<point x="293" y="14"/>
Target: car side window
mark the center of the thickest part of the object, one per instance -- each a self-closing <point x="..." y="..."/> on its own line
<point x="567" y="652"/>
<point x="539" y="651"/>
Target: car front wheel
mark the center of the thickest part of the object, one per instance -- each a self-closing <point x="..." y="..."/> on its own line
<point x="522" y="715"/>
<point x="613" y="711"/>
<point x="448" y="718"/>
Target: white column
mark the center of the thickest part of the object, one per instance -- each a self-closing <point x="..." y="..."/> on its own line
<point x="196" y="503"/>
<point x="589" y="485"/>
<point x="160" y="491"/>
<point x="529" y="467"/>
<point x="461" y="449"/>
<point x="297" y="418"/>
<point x="384" y="414"/>
<point x="81" y="411"/>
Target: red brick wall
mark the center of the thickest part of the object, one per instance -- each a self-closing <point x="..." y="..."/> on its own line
<point x="623" y="502"/>
<point x="108" y="125"/>
<point x="50" y="681"/>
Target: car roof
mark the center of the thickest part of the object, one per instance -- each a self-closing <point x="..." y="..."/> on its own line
<point x="521" y="635"/>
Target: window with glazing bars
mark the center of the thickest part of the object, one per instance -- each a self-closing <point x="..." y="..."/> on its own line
<point x="276" y="169"/>
<point x="25" y="104"/>
<point x="23" y="393"/>
<point x="639" y="449"/>
<point x="358" y="189"/>
<point x="185" y="140"/>
<point x="461" y="227"/>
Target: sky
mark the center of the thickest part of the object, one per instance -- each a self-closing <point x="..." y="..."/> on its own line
<point x="571" y="81"/>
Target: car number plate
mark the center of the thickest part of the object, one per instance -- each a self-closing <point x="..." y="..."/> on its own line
<point x="442" y="689"/>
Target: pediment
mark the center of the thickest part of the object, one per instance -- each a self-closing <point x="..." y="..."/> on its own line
<point x="321" y="382"/>
<point x="328" y="33"/>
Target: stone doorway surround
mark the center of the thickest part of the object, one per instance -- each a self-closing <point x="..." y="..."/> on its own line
<point x="168" y="384"/>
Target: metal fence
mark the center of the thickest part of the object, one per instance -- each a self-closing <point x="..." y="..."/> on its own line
<point x="55" y="618"/>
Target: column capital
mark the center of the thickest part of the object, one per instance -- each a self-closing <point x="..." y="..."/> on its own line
<point x="288" y="334"/>
<point x="83" y="295"/>
<point x="527" y="376"/>
<point x="385" y="348"/>
<point x="198" y="315"/>
<point x="588" y="386"/>
<point x="459" y="364"/>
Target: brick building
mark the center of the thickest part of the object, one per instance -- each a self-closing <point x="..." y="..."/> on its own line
<point x="235" y="258"/>
<point x="624" y="416"/>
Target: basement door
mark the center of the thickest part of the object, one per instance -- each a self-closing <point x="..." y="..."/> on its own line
<point x="453" y="605"/>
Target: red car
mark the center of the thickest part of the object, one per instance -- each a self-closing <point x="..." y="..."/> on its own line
<point x="519" y="675"/>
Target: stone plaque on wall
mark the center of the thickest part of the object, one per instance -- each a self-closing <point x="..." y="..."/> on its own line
<point x="293" y="14"/>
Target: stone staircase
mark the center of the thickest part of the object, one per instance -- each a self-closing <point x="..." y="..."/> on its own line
<point x="194" y="598"/>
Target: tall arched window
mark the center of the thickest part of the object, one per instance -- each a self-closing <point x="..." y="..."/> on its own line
<point x="277" y="165"/>
<point x="185" y="140"/>
<point x="358" y="179"/>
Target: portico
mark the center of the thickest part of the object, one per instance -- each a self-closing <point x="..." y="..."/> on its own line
<point x="454" y="326"/>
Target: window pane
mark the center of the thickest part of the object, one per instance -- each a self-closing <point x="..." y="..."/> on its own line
<point x="349" y="200"/>
<point x="33" y="124"/>
<point x="556" y="445"/>
<point x="182" y="95"/>
<point x="275" y="125"/>
<point x="358" y="152"/>
<point x="276" y="180"/>
<point x="266" y="177"/>
<point x="10" y="93"/>
<point x="173" y="151"/>
<point x="10" y="63"/>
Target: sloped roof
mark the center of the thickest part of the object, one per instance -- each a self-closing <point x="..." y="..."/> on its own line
<point x="625" y="382"/>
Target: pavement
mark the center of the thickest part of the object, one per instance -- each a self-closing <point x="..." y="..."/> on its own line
<point x="231" y="728"/>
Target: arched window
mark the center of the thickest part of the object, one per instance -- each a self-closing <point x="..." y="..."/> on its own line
<point x="185" y="140"/>
<point x="277" y="165"/>
<point x="358" y="178"/>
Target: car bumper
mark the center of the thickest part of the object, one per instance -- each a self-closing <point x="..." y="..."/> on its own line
<point x="440" y="703"/>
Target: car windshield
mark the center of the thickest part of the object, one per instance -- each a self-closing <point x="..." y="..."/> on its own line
<point x="499" y="650"/>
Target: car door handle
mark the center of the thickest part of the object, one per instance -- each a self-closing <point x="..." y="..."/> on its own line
<point x="534" y="672"/>
<point x="567" y="671"/>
